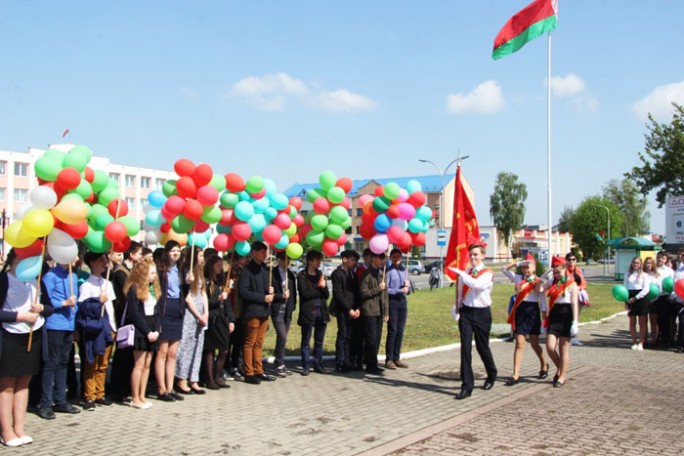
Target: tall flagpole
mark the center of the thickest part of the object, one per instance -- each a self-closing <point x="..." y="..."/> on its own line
<point x="548" y="151"/>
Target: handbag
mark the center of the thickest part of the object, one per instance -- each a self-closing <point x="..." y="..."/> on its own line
<point x="125" y="335"/>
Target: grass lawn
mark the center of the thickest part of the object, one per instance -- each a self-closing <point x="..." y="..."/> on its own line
<point x="430" y="323"/>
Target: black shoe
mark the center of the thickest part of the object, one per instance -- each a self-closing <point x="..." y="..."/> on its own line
<point x="374" y="371"/>
<point x="320" y="370"/>
<point x="282" y="371"/>
<point x="176" y="396"/>
<point x="104" y="402"/>
<point x="358" y="367"/>
<point x="488" y="384"/>
<point x="66" y="408"/>
<point x="512" y="381"/>
<point x="342" y="370"/>
<point x="212" y="386"/>
<point x="555" y="379"/>
<point x="166" y="397"/>
<point x="543" y="374"/>
<point x="198" y="391"/>
<point x="267" y="378"/>
<point x="463" y="394"/>
<point x="558" y="384"/>
<point x="305" y="371"/>
<point x="89" y="406"/>
<point x="46" y="413"/>
<point x="252" y="379"/>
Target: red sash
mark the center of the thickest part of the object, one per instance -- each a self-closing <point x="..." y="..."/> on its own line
<point x="554" y="293"/>
<point x="525" y="290"/>
<point x="466" y="288"/>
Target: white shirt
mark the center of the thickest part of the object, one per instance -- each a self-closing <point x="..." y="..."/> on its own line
<point x="565" y="297"/>
<point x="93" y="287"/>
<point x="638" y="281"/>
<point x="534" y="296"/>
<point x="20" y="297"/>
<point x="481" y="286"/>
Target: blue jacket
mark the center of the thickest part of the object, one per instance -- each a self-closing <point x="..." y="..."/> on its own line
<point x="95" y="328"/>
<point x="55" y="290"/>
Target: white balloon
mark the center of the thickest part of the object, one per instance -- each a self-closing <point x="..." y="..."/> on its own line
<point x="43" y="197"/>
<point x="23" y="210"/>
<point x="62" y="247"/>
<point x="153" y="237"/>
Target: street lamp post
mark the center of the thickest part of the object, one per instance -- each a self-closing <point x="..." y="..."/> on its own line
<point x="441" y="202"/>
<point x="607" y="212"/>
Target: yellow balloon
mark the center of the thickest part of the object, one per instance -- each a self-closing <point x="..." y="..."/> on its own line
<point x="38" y="222"/>
<point x="70" y="211"/>
<point x="16" y="235"/>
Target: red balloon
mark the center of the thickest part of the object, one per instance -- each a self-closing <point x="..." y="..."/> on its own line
<point x="417" y="199"/>
<point x="321" y="206"/>
<point x="121" y="205"/>
<point x="207" y="195"/>
<point x="59" y="190"/>
<point x="184" y="167"/>
<point x="379" y="191"/>
<point x="226" y="217"/>
<point x="165" y="228"/>
<point x="193" y="209"/>
<point x="405" y="242"/>
<point x="296" y="202"/>
<point x="89" y="174"/>
<point x="122" y="246"/>
<point x="367" y="230"/>
<point x="304" y="230"/>
<point x="260" y="194"/>
<point x="202" y="174"/>
<point x="115" y="232"/>
<point x="200" y="226"/>
<point x="166" y="214"/>
<point x="75" y="230"/>
<point x="69" y="178"/>
<point x="418" y="239"/>
<point x="32" y="250"/>
<point x="395" y="234"/>
<point x="330" y="247"/>
<point x="294" y="238"/>
<point x="345" y="184"/>
<point x="223" y="242"/>
<point x="393" y="211"/>
<point x="679" y="288"/>
<point x="298" y="220"/>
<point x="272" y="234"/>
<point x="346" y="203"/>
<point x="234" y="183"/>
<point x="174" y="205"/>
<point x="91" y="198"/>
<point x="241" y="231"/>
<point x="282" y="221"/>
<point x="186" y="187"/>
<point x="341" y="240"/>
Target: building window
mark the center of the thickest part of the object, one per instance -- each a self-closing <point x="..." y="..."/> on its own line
<point x="143" y="202"/>
<point x="130" y="180"/>
<point x="131" y="203"/>
<point x="359" y="212"/>
<point x="159" y="183"/>
<point x="3" y="168"/>
<point x="20" y="194"/>
<point x="115" y="176"/>
<point x="145" y="182"/>
<point x="358" y="230"/>
<point x="20" y="169"/>
<point x="2" y="193"/>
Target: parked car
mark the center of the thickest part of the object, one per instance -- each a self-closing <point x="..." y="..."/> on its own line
<point x="415" y="267"/>
<point x="433" y="264"/>
<point x="328" y="269"/>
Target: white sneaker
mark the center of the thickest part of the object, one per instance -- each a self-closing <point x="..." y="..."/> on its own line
<point x="640" y="347"/>
<point x="635" y="347"/>
<point x="576" y="342"/>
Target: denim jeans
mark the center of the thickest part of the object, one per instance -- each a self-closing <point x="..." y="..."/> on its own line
<point x="398" y="311"/>
<point x="282" y="327"/>
<point x="318" y="330"/>
<point x="54" y="382"/>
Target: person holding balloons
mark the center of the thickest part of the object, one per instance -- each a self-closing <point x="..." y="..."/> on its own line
<point x="651" y="269"/>
<point x="638" y="285"/>
<point x="221" y="322"/>
<point x="20" y="315"/>
<point x="313" y="311"/>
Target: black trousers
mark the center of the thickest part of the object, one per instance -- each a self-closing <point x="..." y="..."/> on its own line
<point x="343" y="340"/>
<point x="477" y="322"/>
<point x="356" y="349"/>
<point x="373" y="327"/>
<point x="120" y="380"/>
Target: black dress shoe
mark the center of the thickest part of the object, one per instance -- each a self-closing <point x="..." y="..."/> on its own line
<point x="266" y="378"/>
<point x="46" y="413"/>
<point x="555" y="379"/>
<point x="512" y="381"/>
<point x="488" y="384"/>
<point x="320" y="370"/>
<point x="463" y="394"/>
<point x="342" y="369"/>
<point x="176" y="396"/>
<point x="166" y="397"/>
<point x="213" y="386"/>
<point x="305" y="371"/>
<point x="198" y="391"/>
<point x="66" y="408"/>
<point x="374" y="371"/>
<point x="543" y="374"/>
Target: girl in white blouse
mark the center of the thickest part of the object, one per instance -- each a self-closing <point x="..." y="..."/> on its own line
<point x="637" y="283"/>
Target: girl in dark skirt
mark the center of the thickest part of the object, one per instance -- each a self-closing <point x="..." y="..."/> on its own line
<point x="220" y="322"/>
<point x="142" y="291"/>
<point x="562" y="302"/>
<point x="19" y="315"/>
<point x="524" y="318"/>
<point x="637" y="283"/>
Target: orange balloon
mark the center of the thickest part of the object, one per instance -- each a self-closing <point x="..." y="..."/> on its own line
<point x="70" y="211"/>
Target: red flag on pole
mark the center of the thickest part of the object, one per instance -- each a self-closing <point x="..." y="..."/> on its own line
<point x="463" y="226"/>
<point x="66" y="132"/>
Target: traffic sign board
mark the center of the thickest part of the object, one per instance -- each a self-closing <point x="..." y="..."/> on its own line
<point x="441" y="238"/>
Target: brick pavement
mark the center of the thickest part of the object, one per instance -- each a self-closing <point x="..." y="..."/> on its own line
<point x="615" y="401"/>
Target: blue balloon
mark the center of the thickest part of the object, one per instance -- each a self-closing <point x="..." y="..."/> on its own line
<point x="261" y="205"/>
<point x="400" y="223"/>
<point x="154" y="219"/>
<point x="244" y="210"/>
<point x="413" y="186"/>
<point x="28" y="268"/>
<point x="382" y="223"/>
<point x="283" y="242"/>
<point x="279" y="201"/>
<point x="257" y="223"/>
<point x="156" y="198"/>
<point x="242" y="248"/>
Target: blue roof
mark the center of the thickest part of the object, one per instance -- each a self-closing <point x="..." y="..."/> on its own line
<point x="430" y="184"/>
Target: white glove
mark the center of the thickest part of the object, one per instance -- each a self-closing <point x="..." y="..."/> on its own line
<point x="456" y="271"/>
<point x="574" y="329"/>
<point x="454" y="313"/>
<point x="523" y="263"/>
<point x="542" y="330"/>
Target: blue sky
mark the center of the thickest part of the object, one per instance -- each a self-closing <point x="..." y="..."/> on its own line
<point x="288" y="89"/>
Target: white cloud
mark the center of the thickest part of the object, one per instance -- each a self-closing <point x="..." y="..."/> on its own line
<point x="272" y="92"/>
<point x="566" y="86"/>
<point x="585" y="103"/>
<point x="486" y="98"/>
<point x="659" y="101"/>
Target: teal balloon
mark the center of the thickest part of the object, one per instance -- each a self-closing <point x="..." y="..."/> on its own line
<point x="197" y="239"/>
<point x="96" y="241"/>
<point x="242" y="248"/>
<point x="620" y="293"/>
<point x="392" y="190"/>
<point x="27" y="270"/>
<point x="257" y="223"/>
<point x="154" y="219"/>
<point x="181" y="224"/>
<point x="282" y="243"/>
<point x="222" y="229"/>
<point x="47" y="168"/>
<point x="415" y="225"/>
<point x="100" y="180"/>
<point x="102" y="221"/>
<point x="244" y="196"/>
<point x="169" y="188"/>
<point x="327" y="180"/>
<point x="254" y="184"/>
<point x="319" y="222"/>
<point x="229" y="200"/>
<point x="336" y="195"/>
<point x="333" y="231"/>
<point x="424" y="213"/>
<point x="270" y="186"/>
<point x="211" y="215"/>
<point x="413" y="186"/>
<point x="244" y="210"/>
<point x="131" y="224"/>
<point x="261" y="205"/>
<point x="270" y="214"/>
<point x="338" y="215"/>
<point x="84" y="189"/>
<point x="653" y="292"/>
<point x="668" y="285"/>
<point x="218" y="181"/>
<point x="381" y="204"/>
<point x="279" y="201"/>
<point x="314" y="193"/>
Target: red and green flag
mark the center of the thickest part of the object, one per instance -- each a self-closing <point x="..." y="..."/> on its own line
<point x="535" y="19"/>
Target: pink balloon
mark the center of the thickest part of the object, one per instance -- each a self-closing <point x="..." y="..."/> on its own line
<point x="226" y="217"/>
<point x="241" y="231"/>
<point x="341" y="240"/>
<point x="200" y="226"/>
<point x="258" y="195"/>
<point x="321" y="206"/>
<point x="363" y="199"/>
<point x="296" y="202"/>
<point x="166" y="214"/>
<point x="207" y="195"/>
<point x="395" y="234"/>
<point x="406" y="211"/>
<point x="346" y="203"/>
<point x="403" y="195"/>
<point x="272" y="234"/>
<point x="282" y="221"/>
<point x="379" y="243"/>
<point x="330" y="247"/>
<point x="298" y="220"/>
<point x="174" y="205"/>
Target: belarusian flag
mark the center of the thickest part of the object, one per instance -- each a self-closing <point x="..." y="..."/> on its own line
<point x="535" y="19"/>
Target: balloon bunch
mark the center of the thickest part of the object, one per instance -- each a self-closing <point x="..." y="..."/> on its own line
<point x="325" y="226"/>
<point x="255" y="209"/>
<point x="395" y="215"/>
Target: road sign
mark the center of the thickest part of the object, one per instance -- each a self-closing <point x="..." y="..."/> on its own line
<point x="441" y="238"/>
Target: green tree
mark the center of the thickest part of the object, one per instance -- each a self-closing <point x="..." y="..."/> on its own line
<point x="590" y="218"/>
<point x="627" y="197"/>
<point x="564" y="220"/>
<point x="663" y="166"/>
<point x="507" y="204"/>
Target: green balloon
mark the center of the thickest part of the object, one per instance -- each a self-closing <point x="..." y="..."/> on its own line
<point x="653" y="292"/>
<point x="96" y="241"/>
<point x="211" y="214"/>
<point x="381" y="204"/>
<point x="336" y="195"/>
<point x="55" y="153"/>
<point x="294" y="251"/>
<point x="333" y="231"/>
<point x="392" y="191"/>
<point x="102" y="220"/>
<point x="327" y="180"/>
<point x="107" y="195"/>
<point x="84" y="189"/>
<point x="100" y="181"/>
<point x="47" y="168"/>
<point x="668" y="285"/>
<point x="169" y="187"/>
<point x="314" y="193"/>
<point x="319" y="222"/>
<point x="315" y="238"/>
<point x="620" y="293"/>
<point x="218" y="182"/>
<point x="291" y="230"/>
<point x="131" y="224"/>
<point x="78" y="158"/>
<point x="97" y="210"/>
<point x="254" y="184"/>
<point x="346" y="223"/>
<point x="182" y="224"/>
<point x="74" y="196"/>
<point x="338" y="215"/>
<point x="229" y="200"/>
